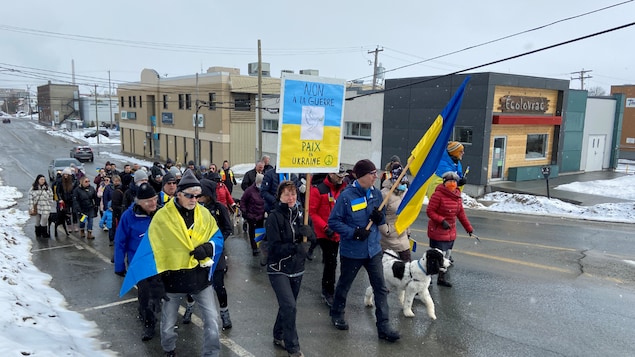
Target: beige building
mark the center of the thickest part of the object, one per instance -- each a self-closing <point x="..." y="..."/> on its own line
<point x="157" y="116"/>
<point x="58" y="102"/>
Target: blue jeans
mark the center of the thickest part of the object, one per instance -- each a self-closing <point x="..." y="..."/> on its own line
<point x="209" y="313"/>
<point x="348" y="271"/>
<point x="88" y="223"/>
<point x="287" y="290"/>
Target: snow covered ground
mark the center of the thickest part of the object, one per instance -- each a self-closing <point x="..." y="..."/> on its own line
<point x="36" y="322"/>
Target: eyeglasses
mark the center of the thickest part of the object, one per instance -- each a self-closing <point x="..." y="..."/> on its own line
<point x="191" y="195"/>
<point x="170" y="183"/>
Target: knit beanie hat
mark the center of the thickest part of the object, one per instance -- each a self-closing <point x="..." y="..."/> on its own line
<point x="140" y="175"/>
<point x="362" y="167"/>
<point x="145" y="190"/>
<point x="168" y="178"/>
<point x="455" y="148"/>
<point x="67" y="171"/>
<point x="209" y="188"/>
<point x="450" y="176"/>
<point x="395" y="158"/>
<point x="188" y="180"/>
<point x="175" y="171"/>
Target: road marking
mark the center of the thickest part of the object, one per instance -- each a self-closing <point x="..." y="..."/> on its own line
<point x="514" y="261"/>
<point x="51" y="248"/>
<point x="228" y="342"/>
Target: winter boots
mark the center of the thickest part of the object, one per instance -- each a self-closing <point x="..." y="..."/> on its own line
<point x="441" y="280"/>
<point x="89" y="235"/>
<point x="82" y="233"/>
<point x="38" y="232"/>
<point x="224" y="316"/>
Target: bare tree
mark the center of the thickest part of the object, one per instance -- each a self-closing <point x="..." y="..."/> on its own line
<point x="596" y="91"/>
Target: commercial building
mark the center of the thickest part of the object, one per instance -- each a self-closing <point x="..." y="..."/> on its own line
<point x="58" y="102"/>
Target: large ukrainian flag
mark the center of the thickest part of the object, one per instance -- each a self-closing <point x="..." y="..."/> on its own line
<point x="168" y="242"/>
<point x="425" y="158"/>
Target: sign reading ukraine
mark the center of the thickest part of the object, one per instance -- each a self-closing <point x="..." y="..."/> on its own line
<point x="311" y="111"/>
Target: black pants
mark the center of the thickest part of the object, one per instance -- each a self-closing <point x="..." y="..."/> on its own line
<point x="329" y="255"/>
<point x="218" y="281"/>
<point x="149" y="290"/>
<point x="286" y="290"/>
<point x="348" y="271"/>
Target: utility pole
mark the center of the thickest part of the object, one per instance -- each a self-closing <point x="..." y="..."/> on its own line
<point x="197" y="158"/>
<point x="376" y="52"/>
<point x="581" y="77"/>
<point x="96" y="115"/>
<point x="259" y="108"/>
<point x="110" y="99"/>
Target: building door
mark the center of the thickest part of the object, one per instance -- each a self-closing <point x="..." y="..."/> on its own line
<point x="498" y="158"/>
<point x="595" y="153"/>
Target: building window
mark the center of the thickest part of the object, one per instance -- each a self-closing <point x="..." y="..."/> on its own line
<point x="123" y="102"/>
<point x="188" y="101"/>
<point x="462" y="134"/>
<point x="211" y="101"/>
<point x="270" y="125"/>
<point x="241" y="103"/>
<point x="357" y="130"/>
<point x="165" y="101"/>
<point x="132" y="115"/>
<point x="140" y="102"/>
<point x="130" y="101"/>
<point x="181" y="101"/>
<point x="536" y="146"/>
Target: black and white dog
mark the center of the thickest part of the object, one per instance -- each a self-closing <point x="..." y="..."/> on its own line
<point x="411" y="278"/>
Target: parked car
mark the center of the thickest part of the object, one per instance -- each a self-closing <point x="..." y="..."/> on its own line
<point x="60" y="164"/>
<point x="93" y="134"/>
<point x="6" y="121"/>
<point x="82" y="153"/>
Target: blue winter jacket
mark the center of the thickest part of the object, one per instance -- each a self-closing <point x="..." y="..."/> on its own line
<point x="447" y="164"/>
<point x="106" y="219"/>
<point x="346" y="217"/>
<point x="132" y="226"/>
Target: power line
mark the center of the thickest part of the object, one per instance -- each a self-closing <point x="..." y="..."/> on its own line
<point x="498" y="61"/>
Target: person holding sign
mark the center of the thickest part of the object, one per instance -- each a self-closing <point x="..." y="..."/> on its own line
<point x="356" y="206"/>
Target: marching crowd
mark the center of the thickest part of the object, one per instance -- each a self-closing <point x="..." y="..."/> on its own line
<point x="184" y="215"/>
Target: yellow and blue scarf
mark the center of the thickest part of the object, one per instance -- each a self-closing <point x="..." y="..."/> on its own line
<point x="167" y="244"/>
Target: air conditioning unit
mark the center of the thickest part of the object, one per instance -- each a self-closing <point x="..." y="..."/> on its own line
<point x="124" y="114"/>
<point x="310" y="72"/>
<point x="252" y="69"/>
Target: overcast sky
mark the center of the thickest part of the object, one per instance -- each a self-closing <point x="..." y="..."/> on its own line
<point x="39" y="38"/>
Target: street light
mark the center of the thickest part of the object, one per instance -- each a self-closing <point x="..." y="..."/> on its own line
<point x="197" y="157"/>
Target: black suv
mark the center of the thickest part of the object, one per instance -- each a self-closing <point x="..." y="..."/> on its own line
<point x="93" y="134"/>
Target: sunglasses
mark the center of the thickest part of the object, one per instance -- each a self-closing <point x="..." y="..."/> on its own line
<point x="190" y="195"/>
<point x="170" y="183"/>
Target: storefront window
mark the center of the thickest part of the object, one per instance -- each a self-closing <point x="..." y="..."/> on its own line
<point x="462" y="134"/>
<point x="357" y="130"/>
<point x="536" y="146"/>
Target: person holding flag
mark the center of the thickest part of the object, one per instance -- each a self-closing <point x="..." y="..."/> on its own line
<point x="183" y="245"/>
<point x="356" y="206"/>
<point x="450" y="162"/>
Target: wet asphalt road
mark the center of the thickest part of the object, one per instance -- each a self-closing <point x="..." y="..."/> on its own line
<point x="534" y="286"/>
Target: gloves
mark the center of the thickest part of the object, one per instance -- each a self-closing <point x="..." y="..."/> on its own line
<point x="305" y="231"/>
<point x="329" y="232"/>
<point x="203" y="251"/>
<point x="376" y="216"/>
<point x="361" y="234"/>
<point x="302" y="187"/>
<point x="445" y="224"/>
<point x="461" y="182"/>
<point x="121" y="273"/>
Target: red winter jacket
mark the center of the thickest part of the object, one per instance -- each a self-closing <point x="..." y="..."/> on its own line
<point x="446" y="205"/>
<point x="321" y="203"/>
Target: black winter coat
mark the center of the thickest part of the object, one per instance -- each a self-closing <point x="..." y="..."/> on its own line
<point x="85" y="200"/>
<point x="286" y="253"/>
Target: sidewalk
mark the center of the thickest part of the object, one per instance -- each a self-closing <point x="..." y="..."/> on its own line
<point x="539" y="187"/>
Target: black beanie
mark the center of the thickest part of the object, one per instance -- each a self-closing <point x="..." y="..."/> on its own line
<point x="145" y="191"/>
<point x="209" y="189"/>
<point x="362" y="167"/>
<point x="188" y="180"/>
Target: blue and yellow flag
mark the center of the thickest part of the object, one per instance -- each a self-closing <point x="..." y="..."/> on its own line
<point x="425" y="158"/>
<point x="260" y="235"/>
<point x="168" y="242"/>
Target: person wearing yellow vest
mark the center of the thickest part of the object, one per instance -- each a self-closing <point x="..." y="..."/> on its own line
<point x="450" y="162"/>
<point x="227" y="176"/>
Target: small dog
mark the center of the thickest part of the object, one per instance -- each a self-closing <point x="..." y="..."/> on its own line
<point x="411" y="278"/>
<point x="59" y="218"/>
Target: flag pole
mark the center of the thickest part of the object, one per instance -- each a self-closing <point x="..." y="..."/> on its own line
<point x="307" y="196"/>
<point x="392" y="189"/>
